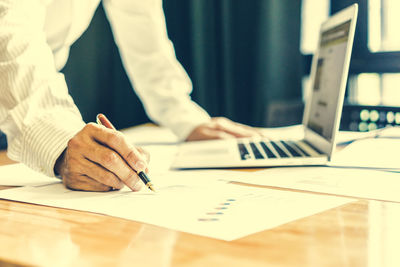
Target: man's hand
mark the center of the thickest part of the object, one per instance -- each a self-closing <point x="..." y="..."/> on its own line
<point x="100" y="159"/>
<point x="221" y="128"/>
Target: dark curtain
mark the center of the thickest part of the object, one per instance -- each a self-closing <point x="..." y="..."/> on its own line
<point x="241" y="56"/>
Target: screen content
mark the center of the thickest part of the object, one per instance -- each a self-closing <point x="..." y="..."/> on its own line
<point x="328" y="76"/>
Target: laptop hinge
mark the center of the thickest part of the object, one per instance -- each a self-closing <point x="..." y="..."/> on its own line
<point x="313" y="147"/>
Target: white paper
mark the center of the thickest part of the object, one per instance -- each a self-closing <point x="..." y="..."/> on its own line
<point x="376" y="153"/>
<point x="150" y="134"/>
<point x="161" y="157"/>
<point x="195" y="202"/>
<point x="296" y="132"/>
<point x="345" y="137"/>
<point x="20" y="175"/>
<point x="368" y="184"/>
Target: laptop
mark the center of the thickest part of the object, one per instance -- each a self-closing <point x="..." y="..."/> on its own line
<point x="321" y="118"/>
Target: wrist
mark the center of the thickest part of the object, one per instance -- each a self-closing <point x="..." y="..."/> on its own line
<point x="58" y="166"/>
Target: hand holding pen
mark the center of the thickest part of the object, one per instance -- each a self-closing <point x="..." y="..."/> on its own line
<point x="102" y="120"/>
<point x="100" y="159"/>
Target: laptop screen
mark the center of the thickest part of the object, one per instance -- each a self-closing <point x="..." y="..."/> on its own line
<point x="328" y="78"/>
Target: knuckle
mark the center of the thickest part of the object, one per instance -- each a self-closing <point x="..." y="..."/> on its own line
<point x="114" y="138"/>
<point x="73" y="143"/>
<point x="131" y="157"/>
<point x="109" y="158"/>
<point x="90" y="126"/>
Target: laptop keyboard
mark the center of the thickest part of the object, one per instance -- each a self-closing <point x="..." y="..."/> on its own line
<point x="281" y="153"/>
<point x="256" y="152"/>
<point x="292" y="150"/>
<point x="271" y="149"/>
<point x="244" y="153"/>
<point x="268" y="151"/>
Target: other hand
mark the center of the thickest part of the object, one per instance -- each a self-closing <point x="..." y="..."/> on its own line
<point x="100" y="159"/>
<point x="221" y="128"/>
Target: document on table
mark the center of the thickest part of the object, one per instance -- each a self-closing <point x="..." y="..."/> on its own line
<point x="20" y="175"/>
<point x="361" y="183"/>
<point x="297" y="132"/>
<point x="150" y="134"/>
<point x="196" y="202"/>
<point x="376" y="153"/>
<point x="161" y="157"/>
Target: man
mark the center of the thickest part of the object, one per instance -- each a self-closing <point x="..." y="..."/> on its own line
<point x="43" y="126"/>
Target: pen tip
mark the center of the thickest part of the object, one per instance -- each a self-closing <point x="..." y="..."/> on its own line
<point x="151" y="187"/>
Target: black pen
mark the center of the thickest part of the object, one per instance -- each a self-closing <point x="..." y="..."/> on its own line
<point x="101" y="119"/>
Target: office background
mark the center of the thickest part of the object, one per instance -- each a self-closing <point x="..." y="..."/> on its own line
<point x="240" y="55"/>
<point x="249" y="61"/>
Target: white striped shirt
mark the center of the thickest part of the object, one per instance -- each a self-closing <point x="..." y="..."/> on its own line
<point x="36" y="112"/>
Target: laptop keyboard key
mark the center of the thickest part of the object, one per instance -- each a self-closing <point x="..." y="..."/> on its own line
<point x="279" y="150"/>
<point x="299" y="148"/>
<point x="244" y="153"/>
<point x="291" y="149"/>
<point x="268" y="151"/>
<point x="257" y="153"/>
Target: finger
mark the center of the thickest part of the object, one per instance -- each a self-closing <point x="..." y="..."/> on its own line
<point x="113" y="162"/>
<point x="147" y="156"/>
<point x="77" y="166"/>
<point x="249" y="128"/>
<point x="138" y="186"/>
<point x="145" y="153"/>
<point x="233" y="128"/>
<point x="209" y="134"/>
<point x="117" y="142"/>
<point x="102" y="175"/>
<point x="84" y="183"/>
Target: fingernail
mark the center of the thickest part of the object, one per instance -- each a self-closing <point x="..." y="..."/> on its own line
<point x="140" y="166"/>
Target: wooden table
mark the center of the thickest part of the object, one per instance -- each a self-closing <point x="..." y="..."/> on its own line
<point x="363" y="233"/>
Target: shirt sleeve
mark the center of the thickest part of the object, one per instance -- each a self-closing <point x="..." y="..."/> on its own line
<point x="148" y="56"/>
<point x="36" y="112"/>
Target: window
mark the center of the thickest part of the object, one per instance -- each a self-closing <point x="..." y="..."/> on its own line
<point x="313" y="13"/>
<point x="383" y="22"/>
<point x="374" y="75"/>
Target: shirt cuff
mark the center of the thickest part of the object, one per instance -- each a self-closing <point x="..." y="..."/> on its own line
<point x="43" y="142"/>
